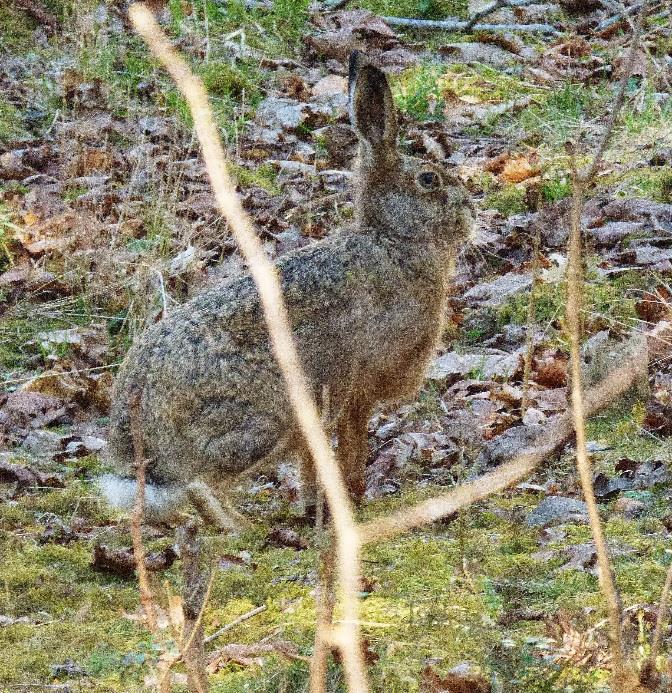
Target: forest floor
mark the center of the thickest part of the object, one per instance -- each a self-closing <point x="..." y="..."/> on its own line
<point x="107" y="221"/>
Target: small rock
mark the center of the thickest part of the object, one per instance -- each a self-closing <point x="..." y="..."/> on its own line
<point x="503" y="447"/>
<point x="329" y="86"/>
<point x="498" y="291"/>
<point x="557" y="510"/>
<point x="42" y="444"/>
<point x="533" y="417"/>
<point x="582" y="557"/>
<point x="609" y="487"/>
<point x="490" y="364"/>
<point x="629" y="507"/>
<point x="280" y="114"/>
<point x="68" y="669"/>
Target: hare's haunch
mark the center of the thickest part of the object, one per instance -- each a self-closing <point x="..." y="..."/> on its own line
<point x="365" y="306"/>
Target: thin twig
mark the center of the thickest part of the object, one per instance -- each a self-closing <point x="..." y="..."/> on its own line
<point x="236" y="621"/>
<point x="649" y="667"/>
<point x="266" y="279"/>
<point x="586" y="177"/>
<point x="622" y="674"/>
<point x="140" y="464"/>
<point x="584" y="467"/>
<point x="195" y="595"/>
<point x="531" y="324"/>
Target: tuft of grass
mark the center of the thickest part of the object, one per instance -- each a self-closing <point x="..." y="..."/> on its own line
<point x="507" y="200"/>
<point x="417" y="92"/>
<point x="608" y="303"/>
<point x="422" y="9"/>
<point x="11" y="123"/>
<point x="16" y="29"/>
<point x="263" y="176"/>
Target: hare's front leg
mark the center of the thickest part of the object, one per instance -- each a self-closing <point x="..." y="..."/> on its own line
<point x="353" y="447"/>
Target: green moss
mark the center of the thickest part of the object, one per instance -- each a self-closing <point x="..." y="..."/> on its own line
<point x="426" y="9"/>
<point x="507" y="201"/>
<point x="608" y="302"/>
<point x="11" y="124"/>
<point x="16" y="30"/>
<point x="263" y="176"/>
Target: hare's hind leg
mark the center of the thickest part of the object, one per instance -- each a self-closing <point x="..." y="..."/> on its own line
<point x="222" y="516"/>
<point x="353" y="450"/>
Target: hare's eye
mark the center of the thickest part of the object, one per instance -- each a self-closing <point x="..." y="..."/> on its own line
<point x="429" y="180"/>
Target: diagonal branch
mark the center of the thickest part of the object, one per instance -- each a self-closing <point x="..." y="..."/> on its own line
<point x="523" y="464"/>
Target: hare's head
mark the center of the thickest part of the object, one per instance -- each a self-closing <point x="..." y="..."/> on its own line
<point x="396" y="195"/>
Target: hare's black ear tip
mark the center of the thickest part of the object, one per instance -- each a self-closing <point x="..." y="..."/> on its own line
<point x="356" y="61"/>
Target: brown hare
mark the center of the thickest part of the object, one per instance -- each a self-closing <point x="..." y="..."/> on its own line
<point x="365" y="307"/>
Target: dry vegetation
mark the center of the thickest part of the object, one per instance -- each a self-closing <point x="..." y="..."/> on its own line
<point x="107" y="220"/>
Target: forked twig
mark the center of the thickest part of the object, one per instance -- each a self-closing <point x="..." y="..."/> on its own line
<point x="265" y="277"/>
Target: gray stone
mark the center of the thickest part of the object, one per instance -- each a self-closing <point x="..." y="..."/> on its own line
<point x="42" y="444"/>
<point x="280" y="114"/>
<point x="496" y="292"/>
<point x="489" y="364"/>
<point x="556" y="510"/>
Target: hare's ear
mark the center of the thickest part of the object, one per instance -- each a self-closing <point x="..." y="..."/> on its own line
<point x="371" y="106"/>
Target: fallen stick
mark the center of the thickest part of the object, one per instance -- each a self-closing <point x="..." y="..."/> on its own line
<point x="493" y="7"/>
<point x="458" y="25"/>
<point x="236" y="621"/>
<point x="596" y="399"/>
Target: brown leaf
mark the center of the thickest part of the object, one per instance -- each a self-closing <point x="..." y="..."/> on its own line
<point x="655" y="305"/>
<point x="550" y="369"/>
<point x="121" y="562"/>
<point x="431" y="682"/>
<point x="518" y="169"/>
<point x="283" y="537"/>
<point x="24" y="279"/>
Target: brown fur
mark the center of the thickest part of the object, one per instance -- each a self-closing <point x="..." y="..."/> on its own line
<point x="365" y="306"/>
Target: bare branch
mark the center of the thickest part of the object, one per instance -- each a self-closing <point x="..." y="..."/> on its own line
<point x="493" y="7"/>
<point x="236" y="621"/>
<point x="265" y="277"/>
<point x="460" y="25"/>
<point x="587" y="176"/>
